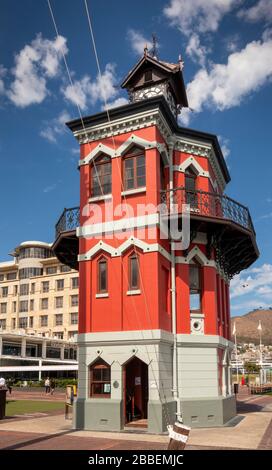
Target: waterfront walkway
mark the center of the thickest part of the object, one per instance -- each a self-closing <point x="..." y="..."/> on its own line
<point x="252" y="429"/>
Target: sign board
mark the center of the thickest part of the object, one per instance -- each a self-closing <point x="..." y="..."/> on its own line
<point x="69" y="395"/>
<point x="137" y="380"/>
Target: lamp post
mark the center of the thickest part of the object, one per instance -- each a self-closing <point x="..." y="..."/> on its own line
<point x="261" y="356"/>
<point x="236" y="352"/>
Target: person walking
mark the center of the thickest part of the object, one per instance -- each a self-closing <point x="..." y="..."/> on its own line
<point x="52" y="386"/>
<point x="2" y="382"/>
<point x="9" y="385"/>
<point x="47" y="385"/>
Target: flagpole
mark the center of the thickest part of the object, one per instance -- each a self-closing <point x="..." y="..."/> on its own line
<point x="236" y="352"/>
<point x="261" y="356"/>
<point x="237" y="370"/>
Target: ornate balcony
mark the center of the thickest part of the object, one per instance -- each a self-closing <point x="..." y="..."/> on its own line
<point x="66" y="243"/>
<point x="227" y="223"/>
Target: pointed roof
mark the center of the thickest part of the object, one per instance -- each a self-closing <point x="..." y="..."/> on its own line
<point x="172" y="70"/>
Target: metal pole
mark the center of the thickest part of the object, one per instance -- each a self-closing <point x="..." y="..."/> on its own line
<point x="173" y="287"/>
<point x="237" y="370"/>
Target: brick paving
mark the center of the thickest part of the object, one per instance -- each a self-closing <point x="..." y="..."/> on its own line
<point x="32" y="394"/>
<point x="64" y="438"/>
<point x="266" y="442"/>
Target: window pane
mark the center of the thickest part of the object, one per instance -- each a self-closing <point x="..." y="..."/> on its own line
<point x="134" y="273"/>
<point x="194" y="277"/>
<point x="141" y="181"/>
<point x="97" y="374"/>
<point x="129" y="163"/>
<point x="129" y="173"/>
<point x="105" y="373"/>
<point x="195" y="302"/>
<point x="97" y="389"/>
<point x="102" y="274"/>
<point x="141" y="171"/>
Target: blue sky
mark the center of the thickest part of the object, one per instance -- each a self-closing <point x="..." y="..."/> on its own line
<point x="227" y="49"/>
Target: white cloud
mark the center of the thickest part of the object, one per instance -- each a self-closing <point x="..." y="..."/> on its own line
<point x="118" y="102"/>
<point x="251" y="304"/>
<point x="256" y="280"/>
<point x="138" y="41"/>
<point x="56" y="127"/>
<point x="86" y="91"/>
<point x="196" y="51"/>
<point x="2" y="74"/>
<point x="34" y="65"/>
<point x="48" y="189"/>
<point x="266" y="216"/>
<point x="198" y="15"/>
<point x="226" y="85"/>
<point x="224" y="144"/>
<point x="262" y="10"/>
<point x="78" y="92"/>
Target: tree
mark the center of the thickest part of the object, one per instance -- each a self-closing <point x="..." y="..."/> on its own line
<point x="251" y="367"/>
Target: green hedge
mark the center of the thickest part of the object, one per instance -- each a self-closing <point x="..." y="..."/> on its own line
<point x="60" y="383"/>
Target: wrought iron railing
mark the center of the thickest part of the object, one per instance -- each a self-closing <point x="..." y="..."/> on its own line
<point x="69" y="220"/>
<point x="208" y="204"/>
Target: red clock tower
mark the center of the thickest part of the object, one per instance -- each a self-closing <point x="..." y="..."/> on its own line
<point x="154" y="309"/>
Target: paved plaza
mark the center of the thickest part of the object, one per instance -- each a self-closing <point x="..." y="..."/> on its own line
<point x="252" y="429"/>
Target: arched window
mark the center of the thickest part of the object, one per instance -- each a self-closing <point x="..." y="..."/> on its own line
<point x="195" y="284"/>
<point x="101" y="176"/>
<point x="102" y="275"/>
<point x="134" y="281"/>
<point x="190" y="187"/>
<point x="100" y="379"/>
<point x="134" y="169"/>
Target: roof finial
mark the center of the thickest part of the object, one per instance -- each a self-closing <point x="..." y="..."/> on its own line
<point x="145" y="50"/>
<point x="181" y="62"/>
<point x="154" y="46"/>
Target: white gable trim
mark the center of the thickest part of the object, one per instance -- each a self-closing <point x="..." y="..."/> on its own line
<point x="191" y="161"/>
<point x="100" y="148"/>
<point x="114" y="252"/>
<point x="132" y="140"/>
<point x="135" y="140"/>
<point x="199" y="255"/>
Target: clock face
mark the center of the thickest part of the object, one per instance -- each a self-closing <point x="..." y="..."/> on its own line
<point x="149" y="93"/>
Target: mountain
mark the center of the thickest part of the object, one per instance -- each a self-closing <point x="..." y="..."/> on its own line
<point x="246" y="327"/>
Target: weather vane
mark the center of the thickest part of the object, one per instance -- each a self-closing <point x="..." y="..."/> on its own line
<point x="154" y="51"/>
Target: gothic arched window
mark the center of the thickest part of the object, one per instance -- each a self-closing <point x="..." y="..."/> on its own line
<point x="102" y="275"/>
<point x="195" y="284"/>
<point x="190" y="187"/>
<point x="101" y="176"/>
<point x="133" y="268"/>
<point x="100" y="379"/>
<point x="134" y="169"/>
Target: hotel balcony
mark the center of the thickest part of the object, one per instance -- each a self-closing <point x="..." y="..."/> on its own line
<point x="226" y="222"/>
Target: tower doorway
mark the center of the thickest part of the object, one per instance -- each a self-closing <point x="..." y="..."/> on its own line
<point x="135" y="382"/>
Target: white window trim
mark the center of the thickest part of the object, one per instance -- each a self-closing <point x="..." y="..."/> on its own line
<point x="134" y="292"/>
<point x="104" y="197"/>
<point x="102" y="296"/>
<point x="129" y="192"/>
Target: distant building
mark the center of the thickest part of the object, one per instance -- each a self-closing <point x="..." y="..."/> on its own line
<point x="38" y="308"/>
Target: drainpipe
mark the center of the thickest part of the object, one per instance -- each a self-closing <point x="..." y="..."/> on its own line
<point x="173" y="285"/>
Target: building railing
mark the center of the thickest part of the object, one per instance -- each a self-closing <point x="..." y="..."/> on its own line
<point x="202" y="203"/>
<point x="210" y="205"/>
<point x="68" y="221"/>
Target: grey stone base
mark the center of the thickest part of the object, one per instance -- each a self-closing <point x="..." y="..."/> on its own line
<point x="160" y="415"/>
<point x="98" y="414"/>
<point x="208" y="412"/>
